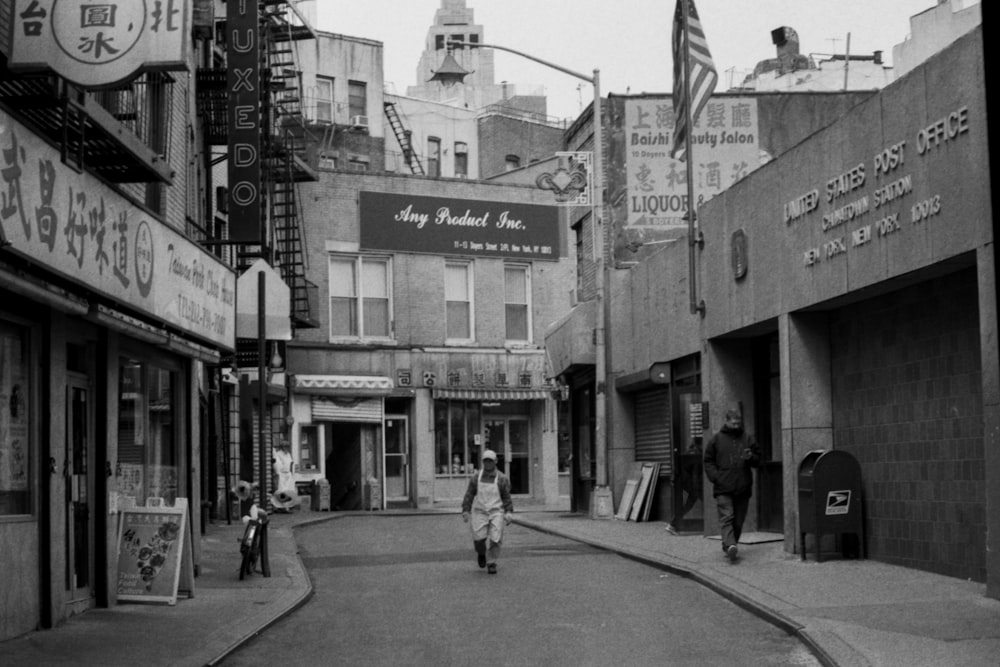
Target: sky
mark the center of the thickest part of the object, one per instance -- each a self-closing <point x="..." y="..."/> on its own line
<point x="627" y="40"/>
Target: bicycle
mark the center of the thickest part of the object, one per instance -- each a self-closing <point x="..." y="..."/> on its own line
<point x="253" y="544"/>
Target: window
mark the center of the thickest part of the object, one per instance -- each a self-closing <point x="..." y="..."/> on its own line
<point x="16" y="442"/>
<point x="324" y="99"/>
<point x="148" y="431"/>
<point x="457" y="433"/>
<point x="461" y="159"/>
<point x="513" y="162"/>
<point x="357" y="98"/>
<point x="517" y="290"/>
<point x="308" y="447"/>
<point x="360" y="298"/>
<point x="433" y="157"/>
<point x="458" y="301"/>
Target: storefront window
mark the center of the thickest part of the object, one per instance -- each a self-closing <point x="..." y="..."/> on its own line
<point x="15" y="404"/>
<point x="148" y="465"/>
<point x="457" y="426"/>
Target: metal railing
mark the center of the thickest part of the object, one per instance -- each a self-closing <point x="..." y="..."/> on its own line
<point x="143" y="107"/>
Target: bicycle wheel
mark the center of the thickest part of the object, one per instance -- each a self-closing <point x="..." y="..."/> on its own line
<point x="246" y="549"/>
<point x="245" y="565"/>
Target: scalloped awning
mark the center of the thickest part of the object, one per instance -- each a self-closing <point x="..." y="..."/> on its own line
<point x="342" y="385"/>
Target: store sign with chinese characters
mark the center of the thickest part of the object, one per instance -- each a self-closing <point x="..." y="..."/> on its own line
<point x="724" y="144"/>
<point x="99" y="44"/>
<point x="73" y="225"/>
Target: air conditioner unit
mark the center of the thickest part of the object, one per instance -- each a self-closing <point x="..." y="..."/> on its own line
<point x="359" y="122"/>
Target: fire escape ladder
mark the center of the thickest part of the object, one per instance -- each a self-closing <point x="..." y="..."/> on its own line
<point x="285" y="145"/>
<point x="403" y="137"/>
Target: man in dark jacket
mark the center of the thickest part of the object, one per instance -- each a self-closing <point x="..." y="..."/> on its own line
<point x="728" y="458"/>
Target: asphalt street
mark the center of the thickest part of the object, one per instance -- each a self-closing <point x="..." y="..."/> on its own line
<point x="407" y="591"/>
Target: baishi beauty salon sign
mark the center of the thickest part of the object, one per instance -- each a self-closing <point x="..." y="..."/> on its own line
<point x="410" y="223"/>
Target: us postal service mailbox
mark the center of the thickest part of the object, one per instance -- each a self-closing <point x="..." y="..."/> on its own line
<point x="830" y="500"/>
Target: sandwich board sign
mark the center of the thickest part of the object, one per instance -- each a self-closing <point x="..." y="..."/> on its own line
<point x="154" y="553"/>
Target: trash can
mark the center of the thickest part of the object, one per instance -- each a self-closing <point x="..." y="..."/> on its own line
<point x="830" y="501"/>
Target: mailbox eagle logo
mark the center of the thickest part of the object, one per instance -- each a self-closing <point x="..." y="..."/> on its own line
<point x="838" y="502"/>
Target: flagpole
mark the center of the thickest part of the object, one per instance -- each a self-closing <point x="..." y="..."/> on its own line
<point x="692" y="213"/>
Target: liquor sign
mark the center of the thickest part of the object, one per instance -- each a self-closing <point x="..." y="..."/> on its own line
<point x="98" y="44"/>
<point x="444" y="226"/>
<point x="725" y="148"/>
<point x="243" y="57"/>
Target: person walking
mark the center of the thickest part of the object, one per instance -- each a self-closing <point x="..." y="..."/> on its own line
<point x="728" y="458"/>
<point x="488" y="506"/>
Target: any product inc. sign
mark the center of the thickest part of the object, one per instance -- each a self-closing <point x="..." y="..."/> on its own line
<point x="443" y="226"/>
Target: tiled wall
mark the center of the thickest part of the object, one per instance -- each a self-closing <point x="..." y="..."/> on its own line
<point x="908" y="405"/>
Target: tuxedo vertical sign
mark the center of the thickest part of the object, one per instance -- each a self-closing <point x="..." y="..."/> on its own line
<point x="243" y="57"/>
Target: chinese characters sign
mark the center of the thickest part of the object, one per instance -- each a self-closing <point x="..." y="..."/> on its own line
<point x="73" y="225"/>
<point x="96" y="44"/>
<point x="409" y="223"/>
<point x="724" y="147"/>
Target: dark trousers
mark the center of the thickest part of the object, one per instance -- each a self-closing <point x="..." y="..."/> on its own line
<point x="732" y="513"/>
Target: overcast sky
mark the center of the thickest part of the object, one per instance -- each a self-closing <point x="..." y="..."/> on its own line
<point x="627" y="40"/>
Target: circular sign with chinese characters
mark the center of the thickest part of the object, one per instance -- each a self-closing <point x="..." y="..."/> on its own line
<point x="96" y="33"/>
<point x="96" y="44"/>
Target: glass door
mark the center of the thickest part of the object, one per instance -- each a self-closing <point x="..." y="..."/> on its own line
<point x="510" y="438"/>
<point x="78" y="470"/>
<point x="397" y="459"/>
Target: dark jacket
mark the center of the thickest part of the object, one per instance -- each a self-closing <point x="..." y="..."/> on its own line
<point x="725" y="466"/>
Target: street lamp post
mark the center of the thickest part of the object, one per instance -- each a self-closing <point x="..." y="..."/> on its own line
<point x="601" y="505"/>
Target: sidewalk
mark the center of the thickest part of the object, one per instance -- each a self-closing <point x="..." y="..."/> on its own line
<point x="223" y="614"/>
<point x="849" y="612"/>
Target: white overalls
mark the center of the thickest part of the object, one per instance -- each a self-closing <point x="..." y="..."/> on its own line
<point x="487" y="516"/>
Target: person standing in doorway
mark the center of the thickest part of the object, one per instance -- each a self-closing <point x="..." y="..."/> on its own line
<point x="728" y="458"/>
<point x="488" y="506"/>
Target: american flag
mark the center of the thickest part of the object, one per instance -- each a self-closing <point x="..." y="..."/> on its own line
<point x="703" y="75"/>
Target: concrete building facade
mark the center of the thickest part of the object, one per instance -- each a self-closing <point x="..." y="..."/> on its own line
<point x="849" y="304"/>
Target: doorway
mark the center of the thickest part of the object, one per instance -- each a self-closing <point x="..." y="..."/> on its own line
<point x="343" y="465"/>
<point x="79" y="507"/>
<point x="767" y="420"/>
<point x="397" y="459"/>
<point x="510" y="438"/>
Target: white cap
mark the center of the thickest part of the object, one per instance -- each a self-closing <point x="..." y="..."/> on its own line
<point x="490" y="455"/>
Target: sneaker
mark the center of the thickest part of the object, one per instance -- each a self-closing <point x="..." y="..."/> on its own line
<point x="671" y="529"/>
<point x="492" y="568"/>
<point x="481" y="559"/>
<point x="732" y="552"/>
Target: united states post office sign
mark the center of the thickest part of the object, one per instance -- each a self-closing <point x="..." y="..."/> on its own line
<point x="469" y="227"/>
<point x="97" y="44"/>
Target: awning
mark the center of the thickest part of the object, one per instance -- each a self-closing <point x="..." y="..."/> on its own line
<point x="493" y="394"/>
<point x="342" y="385"/>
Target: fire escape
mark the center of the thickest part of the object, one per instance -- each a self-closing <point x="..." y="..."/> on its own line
<point x="403" y="136"/>
<point x="283" y="144"/>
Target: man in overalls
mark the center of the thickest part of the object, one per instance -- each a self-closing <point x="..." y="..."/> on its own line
<point x="487" y="502"/>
